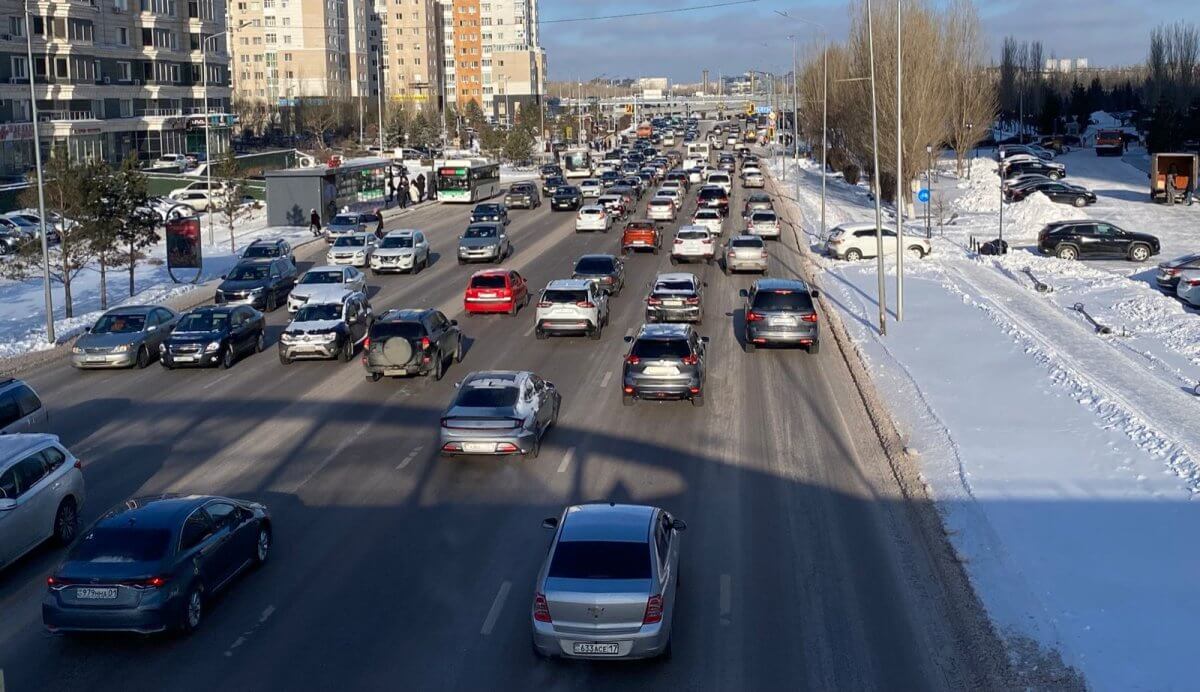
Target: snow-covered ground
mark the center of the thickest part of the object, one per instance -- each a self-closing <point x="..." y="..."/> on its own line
<point x="1066" y="464"/>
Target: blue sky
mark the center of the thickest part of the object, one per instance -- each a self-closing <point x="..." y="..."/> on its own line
<point x="731" y="39"/>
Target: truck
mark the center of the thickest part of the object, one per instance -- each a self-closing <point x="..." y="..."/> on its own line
<point x="644" y="130"/>
<point x="1109" y="143"/>
<point x="1184" y="167"/>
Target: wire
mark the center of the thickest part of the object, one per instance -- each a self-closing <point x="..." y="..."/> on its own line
<point x="643" y="14"/>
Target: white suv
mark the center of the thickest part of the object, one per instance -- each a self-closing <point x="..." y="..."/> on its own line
<point x="591" y="188"/>
<point x="710" y="219"/>
<point x="854" y="241"/>
<point x="661" y="208"/>
<point x="571" y="306"/>
<point x="41" y="493"/>
<point x="722" y="179"/>
<point x="593" y="217"/>
<point x="355" y="249"/>
<point x="399" y="251"/>
<point x="693" y="243"/>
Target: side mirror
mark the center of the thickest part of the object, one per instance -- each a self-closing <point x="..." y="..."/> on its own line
<point x="453" y="323"/>
<point x="704" y="339"/>
<point x="629" y="339"/>
<point x="458" y="384"/>
<point x="151" y="328"/>
<point x="679" y="525"/>
<point x="815" y="293"/>
<point x="547" y="523"/>
<point x="87" y="330"/>
<point x="549" y="385"/>
<point x="743" y="293"/>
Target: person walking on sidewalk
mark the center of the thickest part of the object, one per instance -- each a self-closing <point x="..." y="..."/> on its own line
<point x="431" y="187"/>
<point x="314" y="222"/>
<point x="420" y="187"/>
<point x="415" y="195"/>
<point x="402" y="191"/>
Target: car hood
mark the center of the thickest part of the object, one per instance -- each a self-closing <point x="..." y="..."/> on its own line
<point x="394" y="251"/>
<point x="312" y="326"/>
<point x="230" y="285"/>
<point x="1144" y="237"/>
<point x="566" y="195"/>
<point x="306" y="290"/>
<point x="478" y="242"/>
<point x="338" y="228"/>
<point x="108" y="340"/>
<point x="194" y="337"/>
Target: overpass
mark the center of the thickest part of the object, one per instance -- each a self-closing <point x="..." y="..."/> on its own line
<point x="708" y="106"/>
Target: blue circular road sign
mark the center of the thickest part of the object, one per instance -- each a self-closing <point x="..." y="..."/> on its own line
<point x="923" y="195"/>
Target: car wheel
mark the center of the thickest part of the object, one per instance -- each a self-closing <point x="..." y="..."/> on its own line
<point x="227" y="357"/>
<point x="595" y="333"/>
<point x="461" y="261"/>
<point x="143" y="357"/>
<point x="260" y="343"/>
<point x="373" y="377"/>
<point x="539" y="334"/>
<point x="748" y="345"/>
<point x="193" y="610"/>
<point x="674" y="261"/>
<point x="666" y="652"/>
<point x="262" y="547"/>
<point x="346" y="352"/>
<point x="536" y="449"/>
<point x="271" y="303"/>
<point x="1080" y="202"/>
<point x="374" y="272"/>
<point x="1139" y="252"/>
<point x="1067" y="252"/>
<point x="814" y="348"/>
<point x="458" y="352"/>
<point x="440" y="368"/>
<point x="916" y="252"/>
<point x="163" y="362"/>
<point x="853" y="255"/>
<point x="698" y="401"/>
<point x="66" y="522"/>
<point x="283" y="359"/>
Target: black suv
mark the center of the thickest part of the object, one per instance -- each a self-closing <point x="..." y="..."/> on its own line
<point x="781" y="311"/>
<point x="267" y="248"/>
<point x="549" y="171"/>
<point x="1051" y="169"/>
<point x="523" y="196"/>
<point x="665" y="361"/>
<point x="713" y="197"/>
<point x="551" y="185"/>
<point x="607" y="270"/>
<point x="411" y="342"/>
<point x="327" y="329"/>
<point x="1086" y="239"/>
<point x="566" y="198"/>
<point x="609" y="178"/>
<point x="208" y="336"/>
<point x="490" y="212"/>
<point x="262" y="283"/>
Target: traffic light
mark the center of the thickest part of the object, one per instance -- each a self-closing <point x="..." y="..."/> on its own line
<point x="749" y="108"/>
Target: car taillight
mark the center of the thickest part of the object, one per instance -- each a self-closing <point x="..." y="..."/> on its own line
<point x="694" y="300"/>
<point x="79" y="464"/>
<point x="654" y="610"/>
<point x="763" y="254"/>
<point x="424" y="343"/>
<point x="541" y="609"/>
<point x="653" y="301"/>
<point x="1170" y="272"/>
<point x="150" y="583"/>
<point x="544" y="304"/>
<point x="632" y="360"/>
<point x="1193" y="282"/>
<point x="809" y="318"/>
<point x="690" y="360"/>
<point x="366" y="343"/>
<point x="585" y="304"/>
<point x="706" y="241"/>
<point x="753" y="317"/>
<point x="734" y="254"/>
<point x="678" y="241"/>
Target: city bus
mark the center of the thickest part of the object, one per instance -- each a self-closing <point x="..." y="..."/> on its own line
<point x="467" y="180"/>
<point x="577" y="163"/>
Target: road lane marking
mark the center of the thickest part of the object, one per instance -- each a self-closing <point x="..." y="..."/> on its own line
<point x="726" y="598"/>
<point x="218" y="381"/>
<point x="341" y="447"/>
<point x="411" y="455"/>
<point x="566" y="460"/>
<point x="497" y="606"/>
<point x="607" y="377"/>
<point x="266" y="614"/>
<point x="529" y="332"/>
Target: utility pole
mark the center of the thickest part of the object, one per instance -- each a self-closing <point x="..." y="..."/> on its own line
<point x="37" y="159"/>
<point x="824" y="127"/>
<point x="379" y="67"/>
<point x="899" y="163"/>
<point x="875" y="177"/>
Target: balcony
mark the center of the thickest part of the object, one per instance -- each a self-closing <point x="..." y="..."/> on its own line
<point x="159" y="112"/>
<point x="65" y="115"/>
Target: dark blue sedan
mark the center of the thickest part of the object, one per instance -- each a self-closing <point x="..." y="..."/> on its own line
<point x="151" y="564"/>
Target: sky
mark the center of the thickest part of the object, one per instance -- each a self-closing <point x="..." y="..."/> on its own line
<point x="751" y="36"/>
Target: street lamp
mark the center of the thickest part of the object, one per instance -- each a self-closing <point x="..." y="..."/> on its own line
<point x="970" y="158"/>
<point x="875" y="175"/>
<point x="899" y="162"/>
<point x="208" y="126"/>
<point x="929" y="184"/>
<point x="37" y="160"/>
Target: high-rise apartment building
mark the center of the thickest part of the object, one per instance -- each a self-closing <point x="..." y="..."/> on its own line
<point x="409" y="39"/>
<point x="112" y="77"/>
<point x="492" y="54"/>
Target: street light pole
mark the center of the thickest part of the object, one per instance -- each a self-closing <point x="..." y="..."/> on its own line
<point x="37" y="160"/>
<point x="875" y="177"/>
<point x="379" y="70"/>
<point x="971" y="156"/>
<point x="899" y="164"/>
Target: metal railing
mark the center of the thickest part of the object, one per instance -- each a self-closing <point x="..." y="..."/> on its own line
<point x="65" y="115"/>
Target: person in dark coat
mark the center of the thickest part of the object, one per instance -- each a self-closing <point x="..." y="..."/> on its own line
<point x="431" y="188"/>
<point x="391" y="189"/>
<point x="314" y="222"/>
<point x="420" y="187"/>
<point x="402" y="191"/>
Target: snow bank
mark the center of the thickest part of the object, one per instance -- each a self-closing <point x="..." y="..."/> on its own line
<point x="1024" y="219"/>
<point x="982" y="192"/>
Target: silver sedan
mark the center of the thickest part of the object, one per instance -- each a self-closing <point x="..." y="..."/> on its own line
<point x="124" y="337"/>
<point x="498" y="413"/>
<point x="607" y="587"/>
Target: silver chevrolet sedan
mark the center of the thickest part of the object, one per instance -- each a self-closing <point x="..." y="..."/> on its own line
<point x="498" y="413"/>
<point x="607" y="587"/>
<point x="124" y="337"/>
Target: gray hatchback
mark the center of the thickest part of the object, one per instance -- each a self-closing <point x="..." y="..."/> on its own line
<point x="781" y="311"/>
<point x="500" y="412"/>
<point x="608" y="585"/>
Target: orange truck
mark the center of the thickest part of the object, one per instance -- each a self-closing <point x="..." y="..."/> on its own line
<point x="1179" y="169"/>
<point x="644" y="131"/>
<point x="1109" y="143"/>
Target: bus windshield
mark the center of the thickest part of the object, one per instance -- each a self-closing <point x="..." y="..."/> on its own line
<point x="453" y="179"/>
<point x="577" y="160"/>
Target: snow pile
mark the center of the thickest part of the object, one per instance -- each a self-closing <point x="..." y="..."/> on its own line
<point x="1023" y="220"/>
<point x="982" y="192"/>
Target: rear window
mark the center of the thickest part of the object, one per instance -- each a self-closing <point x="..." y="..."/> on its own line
<point x="661" y="348"/>
<point x="674" y="286"/>
<point x="600" y="560"/>
<point x="712" y="194"/>
<point x="661" y="202"/>
<point x="557" y="295"/>
<point x="487" y="396"/>
<point x="691" y="235"/>
<point x="746" y="242"/>
<point x="488" y="281"/>
<point x="767" y="216"/>
<point x="119" y="545"/>
<point x="594" y="265"/>
<point x="404" y="330"/>
<point x="780" y="300"/>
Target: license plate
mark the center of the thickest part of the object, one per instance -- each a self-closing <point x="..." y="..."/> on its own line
<point x="89" y="593"/>
<point x="479" y="447"/>
<point x="596" y="648"/>
<point x="673" y="303"/>
<point x="638" y="242"/>
<point x="185" y="358"/>
<point x="487" y="295"/>
<point x="653" y="370"/>
<point x="784" y="321"/>
<point x="95" y="359"/>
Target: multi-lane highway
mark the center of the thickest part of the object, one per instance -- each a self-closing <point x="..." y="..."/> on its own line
<point x="803" y="566"/>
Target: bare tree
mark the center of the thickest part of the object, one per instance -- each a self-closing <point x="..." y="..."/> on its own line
<point x="973" y="98"/>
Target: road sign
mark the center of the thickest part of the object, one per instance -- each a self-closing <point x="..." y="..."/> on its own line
<point x="923" y="195"/>
<point x="772" y="116"/>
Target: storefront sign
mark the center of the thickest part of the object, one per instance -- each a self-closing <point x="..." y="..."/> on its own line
<point x="14" y="131"/>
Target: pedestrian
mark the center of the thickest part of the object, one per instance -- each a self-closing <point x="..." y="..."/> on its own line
<point x="379" y="228"/>
<point x="1171" y="188"/>
<point x="421" y="187"/>
<point x="402" y="191"/>
<point x="431" y="187"/>
<point x="1189" y="191"/>
<point x="391" y="190"/>
<point x="314" y="222"/>
<point x="416" y="192"/>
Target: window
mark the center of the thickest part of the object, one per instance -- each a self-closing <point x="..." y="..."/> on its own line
<point x="126" y="108"/>
<point x="53" y="458"/>
<point x="60" y="68"/>
<point x="29" y="471"/>
<point x="79" y="30"/>
<point x="122" y="36"/>
<point x="20" y="67"/>
<point x="8" y="484"/>
<point x="600" y="560"/>
<point x="16" y="26"/>
<point x="195" y="530"/>
<point x="662" y="537"/>
<point x="124" y="71"/>
<point x="223" y="514"/>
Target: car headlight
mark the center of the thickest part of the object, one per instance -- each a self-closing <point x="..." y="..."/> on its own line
<point x="120" y="349"/>
<point x="76" y="349"/>
<point x="212" y="347"/>
<point x="256" y="291"/>
<point x="162" y="348"/>
<point x="360" y="253"/>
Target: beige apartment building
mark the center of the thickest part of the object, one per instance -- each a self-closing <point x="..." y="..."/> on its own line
<point x="407" y="34"/>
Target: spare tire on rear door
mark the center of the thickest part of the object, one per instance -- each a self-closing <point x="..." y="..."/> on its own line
<point x="398" y="350"/>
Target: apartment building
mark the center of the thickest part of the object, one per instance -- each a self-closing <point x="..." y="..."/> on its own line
<point x="112" y="77"/>
<point x="408" y="36"/>
<point x="492" y="54"/>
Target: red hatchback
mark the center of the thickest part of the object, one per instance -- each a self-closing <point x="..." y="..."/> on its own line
<point x="496" y="290"/>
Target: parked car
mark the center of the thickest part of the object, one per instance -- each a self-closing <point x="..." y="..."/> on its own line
<point x="566" y="198"/>
<point x="1063" y="193"/>
<point x="764" y="224"/>
<point x="1051" y="169"/>
<point x="179" y="161"/>
<point x="486" y="242"/>
<point x="607" y="270"/>
<point x="593" y="218"/>
<point x="41" y="494"/>
<point x="210" y="336"/>
<point x="1007" y="151"/>
<point x="490" y="212"/>
<point x="1187" y="288"/>
<point x="156" y="563"/>
<point x="746" y="253"/>
<point x="523" y="196"/>
<point x="1170" y="271"/>
<point x="665" y="361"/>
<point x="11" y="239"/>
<point x="1089" y="239"/>
<point x="352" y="249"/>
<point x="576" y="306"/>
<point x="265" y="248"/>
<point x="401" y="250"/>
<point x="854" y="241"/>
<point x="199" y="200"/>
<point x="330" y="325"/>
<point x="499" y="412"/>
<point x="124" y="337"/>
<point x="321" y="276"/>
<point x="641" y="235"/>
<point x="781" y="312"/>
<point x="411" y="342"/>
<point x="21" y="409"/>
<point x="495" y="290"/>
<point x="261" y="283"/>
<point x="675" y="297"/>
<point x="608" y="585"/>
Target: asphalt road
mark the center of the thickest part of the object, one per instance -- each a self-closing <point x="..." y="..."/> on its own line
<point x="802" y="568"/>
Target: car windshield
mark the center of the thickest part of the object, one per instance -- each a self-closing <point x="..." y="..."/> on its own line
<point x="344" y="220"/>
<point x="203" y="322"/>
<point x="252" y="272"/>
<point x="782" y="300"/>
<point x="568" y="190"/>
<point x="120" y="545"/>
<point x="488" y="281"/>
<point x="487" y="394"/>
<point x="763" y="217"/>
<point x="328" y="277"/>
<point x="746" y="242"/>
<point x="397" y="241"/>
<point x="480" y="232"/>
<point x="600" y="560"/>
<point x="261" y="251"/>
<point x="350" y="241"/>
<point x="315" y="313"/>
<point x="521" y="189"/>
<point x="594" y="265"/>
<point x="119" y="324"/>
<point x="558" y="295"/>
<point x="660" y="348"/>
<point x="488" y="209"/>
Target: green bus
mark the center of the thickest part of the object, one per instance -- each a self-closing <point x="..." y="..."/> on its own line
<point x="467" y="180"/>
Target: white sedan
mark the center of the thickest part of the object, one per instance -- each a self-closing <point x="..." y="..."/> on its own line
<point x="1188" y="288"/>
<point x="593" y="218"/>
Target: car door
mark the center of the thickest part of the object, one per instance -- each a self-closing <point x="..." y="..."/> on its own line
<point x="1112" y="240"/>
<point x="200" y="544"/>
<point x="1087" y="239"/>
<point x="247" y="334"/>
<point x="600" y="299"/>
<point x="519" y="288"/>
<point x="166" y="325"/>
<point x="435" y="325"/>
<point x="353" y="315"/>
<point x="35" y="501"/>
<point x="544" y="408"/>
<point x="421" y="247"/>
<point x="235" y="548"/>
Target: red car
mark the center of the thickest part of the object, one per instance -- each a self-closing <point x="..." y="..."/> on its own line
<point x="496" y="290"/>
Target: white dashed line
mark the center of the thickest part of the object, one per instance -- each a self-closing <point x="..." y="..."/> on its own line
<point x="266" y="614"/>
<point x="218" y="381"/>
<point x="566" y="460"/>
<point x="529" y="332"/>
<point x="607" y="377"/>
<point x="408" y="459"/>
<point x="497" y="605"/>
<point x="726" y="598"/>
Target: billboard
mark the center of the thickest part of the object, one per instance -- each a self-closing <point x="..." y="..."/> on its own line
<point x="183" y="244"/>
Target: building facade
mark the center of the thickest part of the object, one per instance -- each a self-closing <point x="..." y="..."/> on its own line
<point x="111" y="78"/>
<point x="410" y="43"/>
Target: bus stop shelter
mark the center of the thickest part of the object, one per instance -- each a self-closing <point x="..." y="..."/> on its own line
<point x="356" y="184"/>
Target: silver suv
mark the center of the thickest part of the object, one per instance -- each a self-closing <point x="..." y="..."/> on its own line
<point x="20" y="408"/>
<point x="665" y="361"/>
<point x="572" y="306"/>
<point x="675" y="297"/>
<point x="781" y="311"/>
<point x="41" y="491"/>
